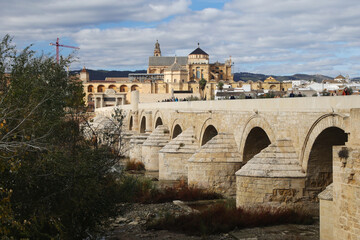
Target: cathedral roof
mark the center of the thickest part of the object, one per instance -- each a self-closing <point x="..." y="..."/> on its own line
<point x="175" y="66"/>
<point x="199" y="51"/>
<point x="167" y="61"/>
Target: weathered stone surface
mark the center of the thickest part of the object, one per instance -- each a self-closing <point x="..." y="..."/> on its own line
<point x="135" y="152"/>
<point x="214" y="165"/>
<point x="301" y="120"/>
<point x="273" y="175"/>
<point x="277" y="160"/>
<point x="174" y="156"/>
<point x="152" y="145"/>
<point x="327" y="194"/>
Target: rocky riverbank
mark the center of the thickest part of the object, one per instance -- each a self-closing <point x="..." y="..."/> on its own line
<point x="133" y="219"/>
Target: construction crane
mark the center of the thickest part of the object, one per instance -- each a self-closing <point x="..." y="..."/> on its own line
<point x="57" y="44"/>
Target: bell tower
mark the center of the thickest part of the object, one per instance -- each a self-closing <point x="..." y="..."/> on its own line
<point x="157" y="51"/>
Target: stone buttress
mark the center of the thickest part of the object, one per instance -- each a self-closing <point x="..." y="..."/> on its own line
<point x="272" y="176"/>
<point x="136" y="146"/>
<point x="151" y="147"/>
<point x="173" y="158"/>
<point x="214" y="165"/>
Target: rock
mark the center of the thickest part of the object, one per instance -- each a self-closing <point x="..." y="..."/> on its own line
<point x="121" y="220"/>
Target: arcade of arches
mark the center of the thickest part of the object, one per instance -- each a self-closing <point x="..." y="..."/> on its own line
<point x="293" y="145"/>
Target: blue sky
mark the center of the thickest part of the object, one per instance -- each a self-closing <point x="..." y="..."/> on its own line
<point x="277" y="37"/>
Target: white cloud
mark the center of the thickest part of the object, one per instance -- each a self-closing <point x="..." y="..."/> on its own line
<point x="273" y="37"/>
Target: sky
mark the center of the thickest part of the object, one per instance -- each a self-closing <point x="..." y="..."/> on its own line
<point x="275" y="37"/>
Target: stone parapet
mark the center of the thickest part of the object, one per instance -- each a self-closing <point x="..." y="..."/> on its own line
<point x="174" y="156"/>
<point x="214" y="165"/>
<point x="151" y="147"/>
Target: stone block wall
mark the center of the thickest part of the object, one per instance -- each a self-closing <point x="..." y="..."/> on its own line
<point x="150" y="157"/>
<point x="346" y="193"/>
<point x="173" y="166"/>
<point x="326" y="219"/>
<point x="135" y="151"/>
<point x="218" y="177"/>
<point x="260" y="190"/>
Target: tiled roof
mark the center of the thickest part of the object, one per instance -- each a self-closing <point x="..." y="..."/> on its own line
<point x="167" y="61"/>
<point x="175" y="67"/>
<point x="199" y="51"/>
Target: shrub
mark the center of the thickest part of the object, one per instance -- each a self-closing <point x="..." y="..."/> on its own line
<point x="222" y="218"/>
<point x="142" y="190"/>
<point x="134" y="165"/>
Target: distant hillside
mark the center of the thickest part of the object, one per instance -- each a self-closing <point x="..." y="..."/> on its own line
<point x="102" y="74"/>
<point x="245" y="76"/>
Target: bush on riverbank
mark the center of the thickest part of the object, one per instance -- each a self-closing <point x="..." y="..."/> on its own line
<point x="221" y="218"/>
<point x="134" y="165"/>
<point x="141" y="190"/>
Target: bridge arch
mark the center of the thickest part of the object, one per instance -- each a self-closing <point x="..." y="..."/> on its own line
<point x="208" y="131"/>
<point x="256" y="135"/>
<point x="176" y="129"/>
<point x="158" y="119"/>
<point x="131" y="123"/>
<point x="328" y="121"/>
<point x="143" y="124"/>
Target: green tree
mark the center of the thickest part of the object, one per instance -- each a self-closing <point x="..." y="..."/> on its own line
<point x="202" y="84"/>
<point x="220" y="86"/>
<point x="55" y="183"/>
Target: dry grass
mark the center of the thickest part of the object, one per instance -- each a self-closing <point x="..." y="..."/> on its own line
<point x="221" y="218"/>
<point x="134" y="165"/>
<point x="181" y="192"/>
<point x="142" y="190"/>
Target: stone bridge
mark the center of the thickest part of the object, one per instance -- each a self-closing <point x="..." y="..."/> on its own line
<point x="259" y="150"/>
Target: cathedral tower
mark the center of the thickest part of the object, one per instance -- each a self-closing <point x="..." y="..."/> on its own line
<point x="157" y="51"/>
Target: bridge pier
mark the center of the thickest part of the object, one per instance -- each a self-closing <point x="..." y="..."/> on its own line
<point x="273" y="176"/>
<point x="213" y="166"/>
<point x="136" y="146"/>
<point x="340" y="203"/>
<point x="151" y="147"/>
<point x="173" y="158"/>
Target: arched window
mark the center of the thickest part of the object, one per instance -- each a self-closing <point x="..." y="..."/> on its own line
<point x="134" y="87"/>
<point x="101" y="88"/>
<point x="123" y="88"/>
<point x="112" y="87"/>
<point x="90" y="88"/>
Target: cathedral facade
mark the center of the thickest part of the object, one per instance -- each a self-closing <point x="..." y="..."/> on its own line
<point x="166" y="76"/>
<point x="191" y="68"/>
